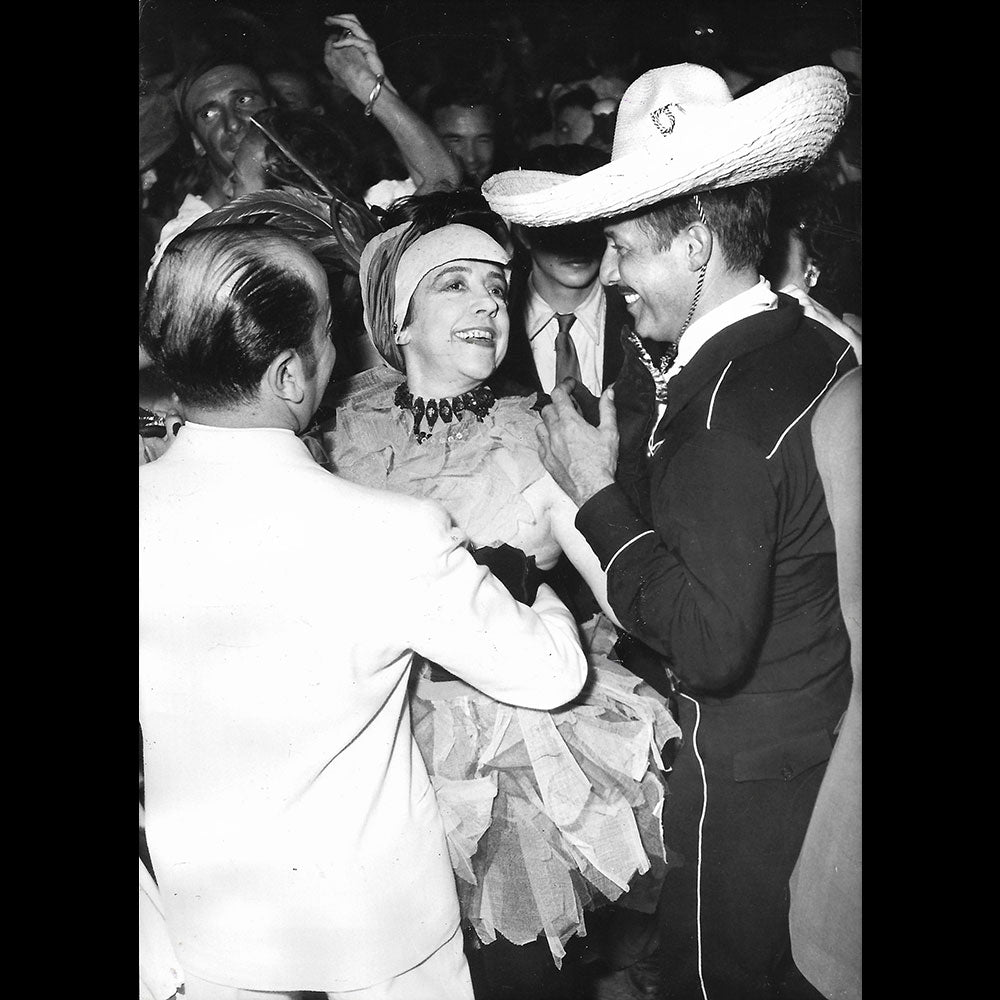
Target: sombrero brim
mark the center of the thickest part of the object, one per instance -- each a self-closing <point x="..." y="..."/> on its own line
<point x="782" y="127"/>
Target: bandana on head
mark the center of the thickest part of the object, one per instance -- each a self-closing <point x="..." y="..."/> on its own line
<point x="395" y="262"/>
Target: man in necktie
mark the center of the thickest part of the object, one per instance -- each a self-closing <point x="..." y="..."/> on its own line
<point x="699" y="492"/>
<point x="563" y="321"/>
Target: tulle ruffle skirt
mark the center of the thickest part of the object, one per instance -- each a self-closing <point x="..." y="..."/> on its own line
<point x="549" y="814"/>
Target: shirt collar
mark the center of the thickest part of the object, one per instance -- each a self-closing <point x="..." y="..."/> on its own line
<point x="539" y="313"/>
<point x="758" y="298"/>
<point x="238" y="443"/>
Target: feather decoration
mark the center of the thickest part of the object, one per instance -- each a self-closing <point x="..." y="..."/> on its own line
<point x="334" y="229"/>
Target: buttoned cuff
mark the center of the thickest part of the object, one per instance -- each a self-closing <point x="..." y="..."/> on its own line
<point x="610" y="523"/>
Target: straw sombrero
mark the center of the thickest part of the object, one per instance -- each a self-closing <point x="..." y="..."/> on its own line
<point x="680" y="131"/>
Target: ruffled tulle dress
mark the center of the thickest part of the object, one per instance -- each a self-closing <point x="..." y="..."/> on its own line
<point x="548" y="814"/>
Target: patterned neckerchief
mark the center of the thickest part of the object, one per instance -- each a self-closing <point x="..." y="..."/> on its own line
<point x="658" y="372"/>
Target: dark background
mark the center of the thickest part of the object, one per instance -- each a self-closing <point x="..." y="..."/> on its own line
<point x="769" y="36"/>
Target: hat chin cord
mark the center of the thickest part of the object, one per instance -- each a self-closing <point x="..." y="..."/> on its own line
<point x="694" y="302"/>
<point x="659" y="372"/>
<point x="701" y="276"/>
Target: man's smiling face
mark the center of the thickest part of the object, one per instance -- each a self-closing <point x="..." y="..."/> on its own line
<point x="656" y="283"/>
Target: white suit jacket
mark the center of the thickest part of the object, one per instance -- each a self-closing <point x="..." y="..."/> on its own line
<point x="293" y="831"/>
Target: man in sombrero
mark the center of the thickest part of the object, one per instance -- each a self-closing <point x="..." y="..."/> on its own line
<point x="699" y="492"/>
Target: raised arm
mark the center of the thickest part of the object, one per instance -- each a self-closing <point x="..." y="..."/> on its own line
<point x="352" y="59"/>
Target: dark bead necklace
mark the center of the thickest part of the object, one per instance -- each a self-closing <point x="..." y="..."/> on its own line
<point x="478" y="401"/>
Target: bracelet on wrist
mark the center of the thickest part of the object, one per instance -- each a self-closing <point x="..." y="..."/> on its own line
<point x="373" y="96"/>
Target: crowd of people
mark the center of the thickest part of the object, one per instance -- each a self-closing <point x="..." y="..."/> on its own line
<point x="499" y="510"/>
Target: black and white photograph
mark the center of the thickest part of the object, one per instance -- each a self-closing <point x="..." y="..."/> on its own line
<point x="499" y="500"/>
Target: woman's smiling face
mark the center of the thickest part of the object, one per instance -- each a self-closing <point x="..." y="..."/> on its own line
<point x="458" y="328"/>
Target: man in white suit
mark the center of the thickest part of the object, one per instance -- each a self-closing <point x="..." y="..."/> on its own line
<point x="294" y="834"/>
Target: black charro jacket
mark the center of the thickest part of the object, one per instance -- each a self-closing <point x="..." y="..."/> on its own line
<point x="719" y="548"/>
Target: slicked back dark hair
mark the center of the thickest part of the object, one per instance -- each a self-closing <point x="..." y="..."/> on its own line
<point x="736" y="215"/>
<point x="222" y="304"/>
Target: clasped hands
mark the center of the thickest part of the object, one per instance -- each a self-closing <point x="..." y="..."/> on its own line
<point x="581" y="458"/>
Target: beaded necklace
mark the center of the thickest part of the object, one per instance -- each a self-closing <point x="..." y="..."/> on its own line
<point x="478" y="401"/>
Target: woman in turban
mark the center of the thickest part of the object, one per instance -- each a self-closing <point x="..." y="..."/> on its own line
<point x="549" y="813"/>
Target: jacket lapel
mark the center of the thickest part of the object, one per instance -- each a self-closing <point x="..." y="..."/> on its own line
<point x="734" y="341"/>
<point x="616" y="326"/>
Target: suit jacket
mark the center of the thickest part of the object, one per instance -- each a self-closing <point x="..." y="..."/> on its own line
<point x="290" y="820"/>
<point x="519" y="364"/>
<point x="719" y="548"/>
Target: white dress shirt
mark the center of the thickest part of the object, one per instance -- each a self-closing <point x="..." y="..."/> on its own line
<point x="587" y="334"/>
<point x="192" y="207"/>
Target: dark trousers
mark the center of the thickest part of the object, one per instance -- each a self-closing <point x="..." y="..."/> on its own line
<point x="723" y="913"/>
<point x="616" y="937"/>
<point x="505" y="971"/>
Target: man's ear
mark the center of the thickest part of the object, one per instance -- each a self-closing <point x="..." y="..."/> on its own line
<point x="285" y="377"/>
<point x="699" y="245"/>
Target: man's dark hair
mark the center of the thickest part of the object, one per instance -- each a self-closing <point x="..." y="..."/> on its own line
<point x="736" y="215"/>
<point x="444" y="208"/>
<point x="219" y="310"/>
<point x="319" y="145"/>
<point x="458" y="94"/>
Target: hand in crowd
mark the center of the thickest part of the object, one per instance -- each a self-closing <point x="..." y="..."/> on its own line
<point x="579" y="457"/>
<point x="351" y="57"/>
<point x="850" y="331"/>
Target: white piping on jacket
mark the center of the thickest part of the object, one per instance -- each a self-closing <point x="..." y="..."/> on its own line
<point x="625" y="546"/>
<point x="836" y="371"/>
<point x="715" y="392"/>
<point x="701" y="827"/>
